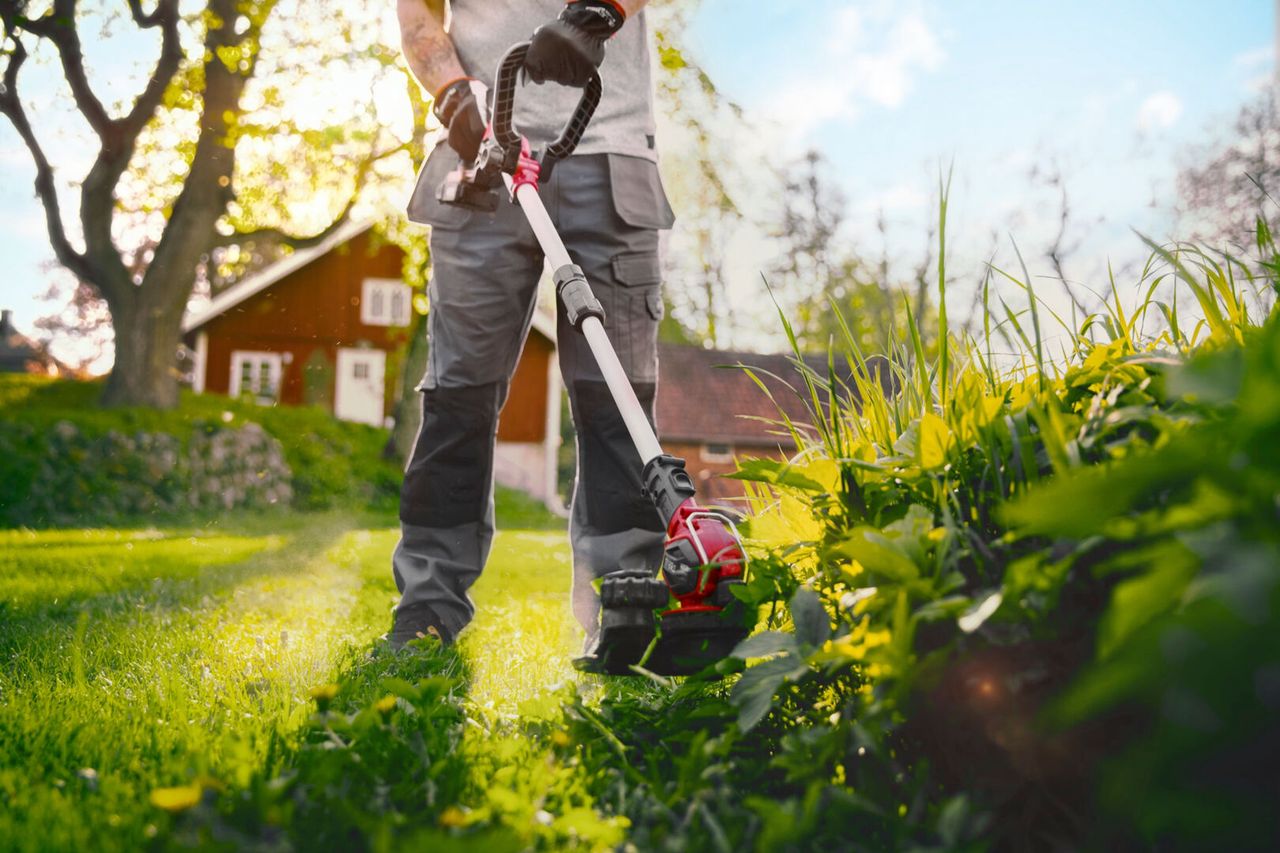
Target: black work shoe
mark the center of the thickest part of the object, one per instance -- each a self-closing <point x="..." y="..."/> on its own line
<point x="414" y="622"/>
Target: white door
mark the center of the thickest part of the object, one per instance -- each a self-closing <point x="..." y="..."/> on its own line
<point x="359" y="392"/>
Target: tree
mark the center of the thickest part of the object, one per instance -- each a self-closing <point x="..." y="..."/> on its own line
<point x="205" y="157"/>
<point x="818" y="270"/>
<point x="697" y="170"/>
<point x="1225" y="187"/>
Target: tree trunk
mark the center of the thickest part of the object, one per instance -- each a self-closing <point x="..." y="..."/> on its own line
<point x="145" y="371"/>
<point x="408" y="411"/>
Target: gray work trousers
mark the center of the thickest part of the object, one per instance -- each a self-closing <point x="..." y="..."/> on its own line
<point x="485" y="270"/>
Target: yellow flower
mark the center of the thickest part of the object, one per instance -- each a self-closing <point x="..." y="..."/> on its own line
<point x="324" y="695"/>
<point x="176" y="799"/>
<point x="561" y="738"/>
<point x="385" y="705"/>
<point x="453" y="817"/>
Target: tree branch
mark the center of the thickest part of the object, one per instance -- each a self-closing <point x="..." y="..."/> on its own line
<point x="144" y="108"/>
<point x="59" y="27"/>
<point x="46" y="190"/>
<point x="97" y="193"/>
<point x="189" y="232"/>
<point x="147" y="21"/>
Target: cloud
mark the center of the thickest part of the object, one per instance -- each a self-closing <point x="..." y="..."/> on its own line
<point x="1159" y="111"/>
<point x="1257" y="66"/>
<point x="868" y="56"/>
<point x="1254" y="59"/>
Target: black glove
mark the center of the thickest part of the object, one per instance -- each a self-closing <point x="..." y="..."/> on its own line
<point x="570" y="49"/>
<point x="458" y="107"/>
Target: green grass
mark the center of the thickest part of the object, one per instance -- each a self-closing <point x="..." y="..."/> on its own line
<point x="141" y="659"/>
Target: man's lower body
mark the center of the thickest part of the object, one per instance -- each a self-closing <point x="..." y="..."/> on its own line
<point x="482" y="297"/>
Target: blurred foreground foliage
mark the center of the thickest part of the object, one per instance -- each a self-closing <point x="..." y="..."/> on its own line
<point x="1037" y="607"/>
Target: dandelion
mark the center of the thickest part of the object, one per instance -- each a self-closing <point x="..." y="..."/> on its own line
<point x="177" y="799"/>
<point x="453" y="817"/>
<point x="385" y="705"/>
<point x="561" y="738"/>
<point x="324" y="695"/>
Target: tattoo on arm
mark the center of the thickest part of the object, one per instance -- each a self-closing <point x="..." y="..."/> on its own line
<point x="427" y="47"/>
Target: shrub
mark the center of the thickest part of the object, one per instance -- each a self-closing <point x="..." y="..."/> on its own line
<point x="63" y="460"/>
<point x="1037" y="608"/>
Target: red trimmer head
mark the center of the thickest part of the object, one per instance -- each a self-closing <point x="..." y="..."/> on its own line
<point x="702" y="563"/>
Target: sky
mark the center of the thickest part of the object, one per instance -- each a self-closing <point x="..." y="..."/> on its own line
<point x="1113" y="96"/>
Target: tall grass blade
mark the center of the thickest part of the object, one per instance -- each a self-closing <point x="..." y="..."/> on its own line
<point x="944" y="344"/>
<point x="1208" y="303"/>
<point x="1035" y="314"/>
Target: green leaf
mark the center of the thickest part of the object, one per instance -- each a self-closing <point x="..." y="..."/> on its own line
<point x="1214" y="378"/>
<point x="952" y="820"/>
<point x="400" y="687"/>
<point x="1138" y="601"/>
<point x="775" y="472"/>
<point x="753" y="694"/>
<point x="813" y="627"/>
<point x="935" y="441"/>
<point x="879" y="555"/>
<point x="765" y="644"/>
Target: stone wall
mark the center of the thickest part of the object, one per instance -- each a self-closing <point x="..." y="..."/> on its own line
<point x="115" y="476"/>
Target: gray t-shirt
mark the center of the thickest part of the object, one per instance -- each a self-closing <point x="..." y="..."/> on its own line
<point x="482" y="30"/>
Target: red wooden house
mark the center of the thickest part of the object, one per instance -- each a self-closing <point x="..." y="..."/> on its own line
<point x="329" y="325"/>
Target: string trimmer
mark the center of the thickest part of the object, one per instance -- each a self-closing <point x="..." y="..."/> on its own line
<point x="688" y="618"/>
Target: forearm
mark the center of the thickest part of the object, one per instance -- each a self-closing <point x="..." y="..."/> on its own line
<point x="427" y="47"/>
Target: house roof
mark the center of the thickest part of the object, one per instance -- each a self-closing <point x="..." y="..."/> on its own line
<point x="706" y="395"/>
<point x="254" y="284"/>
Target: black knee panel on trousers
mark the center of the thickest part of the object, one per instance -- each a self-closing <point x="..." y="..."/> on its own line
<point x="609" y="474"/>
<point x="447" y="481"/>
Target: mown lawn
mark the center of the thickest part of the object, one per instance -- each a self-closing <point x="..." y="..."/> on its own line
<point x="137" y="660"/>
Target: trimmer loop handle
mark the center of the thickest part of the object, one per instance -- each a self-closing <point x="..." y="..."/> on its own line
<point x="504" y="107"/>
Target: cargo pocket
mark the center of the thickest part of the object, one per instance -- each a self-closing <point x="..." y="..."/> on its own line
<point x="638" y="196"/>
<point x="637" y="310"/>
<point x="424" y="208"/>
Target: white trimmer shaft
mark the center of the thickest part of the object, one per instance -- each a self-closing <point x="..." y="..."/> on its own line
<point x="592" y="329"/>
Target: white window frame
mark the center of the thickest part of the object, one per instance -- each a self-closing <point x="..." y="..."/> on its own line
<point x="387" y="287"/>
<point x="275" y="372"/>
<point x="706" y="454"/>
